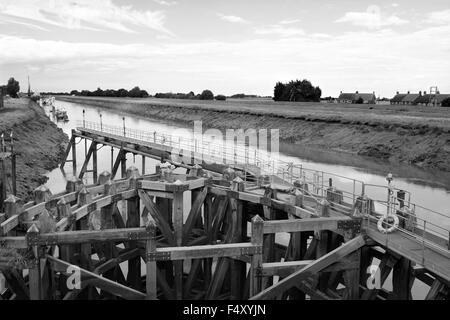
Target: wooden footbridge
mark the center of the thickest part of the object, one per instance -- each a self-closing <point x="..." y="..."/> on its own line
<point x="254" y="228"/>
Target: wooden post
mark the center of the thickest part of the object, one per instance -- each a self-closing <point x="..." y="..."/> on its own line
<point x="3" y="183"/>
<point x="269" y="239"/>
<point x="34" y="274"/>
<point x="84" y="198"/>
<point x="151" y="268"/>
<point x="133" y="220"/>
<point x="401" y="279"/>
<point x="73" y="184"/>
<point x="143" y="165"/>
<point x="256" y="260"/>
<point x="41" y="194"/>
<point x="12" y="204"/>
<point x="104" y="177"/>
<point x="238" y="268"/>
<point x="94" y="164"/>
<point x="74" y="155"/>
<point x="86" y="160"/>
<point x="13" y="174"/>
<point x="177" y="218"/>
<point x="323" y="237"/>
<point x="123" y="163"/>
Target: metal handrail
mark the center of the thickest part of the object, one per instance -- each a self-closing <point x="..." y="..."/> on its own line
<point x="287" y="171"/>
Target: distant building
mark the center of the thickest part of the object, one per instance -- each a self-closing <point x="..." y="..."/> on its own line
<point x="419" y="99"/>
<point x="406" y="98"/>
<point x="432" y="99"/>
<point x="368" y="98"/>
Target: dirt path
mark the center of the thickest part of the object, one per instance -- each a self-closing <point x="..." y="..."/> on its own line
<point x="38" y="142"/>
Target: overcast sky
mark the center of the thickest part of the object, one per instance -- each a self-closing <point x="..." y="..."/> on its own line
<point x="228" y="46"/>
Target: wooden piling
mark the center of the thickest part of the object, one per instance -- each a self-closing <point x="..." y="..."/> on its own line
<point x="177" y="218"/>
<point x="257" y="259"/>
<point x="133" y="220"/>
<point x="151" y="267"/>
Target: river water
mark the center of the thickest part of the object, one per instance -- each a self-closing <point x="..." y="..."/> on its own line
<point x="428" y="189"/>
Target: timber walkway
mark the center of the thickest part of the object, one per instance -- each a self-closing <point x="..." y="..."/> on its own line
<point x="326" y="223"/>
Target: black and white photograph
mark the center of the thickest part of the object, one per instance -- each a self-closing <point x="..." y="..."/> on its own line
<point x="224" y="157"/>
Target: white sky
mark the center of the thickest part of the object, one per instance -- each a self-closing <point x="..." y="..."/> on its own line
<point x="228" y="46"/>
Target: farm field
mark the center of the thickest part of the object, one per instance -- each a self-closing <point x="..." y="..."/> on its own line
<point x="415" y="116"/>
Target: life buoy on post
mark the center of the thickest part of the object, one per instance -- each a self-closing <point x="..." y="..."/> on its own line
<point x="385" y="221"/>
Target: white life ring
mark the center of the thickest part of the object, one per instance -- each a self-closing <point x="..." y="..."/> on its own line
<point x="391" y="228"/>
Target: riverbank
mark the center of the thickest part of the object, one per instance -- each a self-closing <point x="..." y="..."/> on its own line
<point x="401" y="134"/>
<point x="38" y="142"/>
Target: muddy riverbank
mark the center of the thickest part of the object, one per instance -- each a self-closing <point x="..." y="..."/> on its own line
<point x="411" y="135"/>
<point x="38" y="142"/>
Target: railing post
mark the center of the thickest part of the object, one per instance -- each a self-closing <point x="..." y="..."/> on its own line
<point x="423" y="241"/>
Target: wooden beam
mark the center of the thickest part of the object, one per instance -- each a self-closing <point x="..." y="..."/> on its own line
<point x="100" y="282"/>
<point x="86" y="236"/>
<point x="313" y="268"/>
<point x="157" y="217"/>
<point x="435" y="288"/>
<point x="194" y="214"/>
<point x="283" y="269"/>
<point x="86" y="160"/>
<point x="308" y="224"/>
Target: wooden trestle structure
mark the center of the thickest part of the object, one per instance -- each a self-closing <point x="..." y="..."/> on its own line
<point x="132" y="238"/>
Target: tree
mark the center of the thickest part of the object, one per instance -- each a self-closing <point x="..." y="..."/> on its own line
<point x="446" y="102"/>
<point x="221" y="97"/>
<point x="297" y="91"/>
<point x="359" y="101"/>
<point x="12" y="88"/>
<point x="278" y="91"/>
<point x="122" y="93"/>
<point x="207" y="95"/>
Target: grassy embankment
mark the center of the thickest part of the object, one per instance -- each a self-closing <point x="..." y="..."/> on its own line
<point x="404" y="134"/>
<point x="38" y="142"/>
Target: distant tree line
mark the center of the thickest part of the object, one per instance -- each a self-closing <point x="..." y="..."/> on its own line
<point x="298" y="90"/>
<point x="136" y="92"/>
<point x="205" y="95"/>
<point x="446" y="102"/>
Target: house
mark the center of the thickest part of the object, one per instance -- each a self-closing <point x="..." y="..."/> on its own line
<point x="432" y="99"/>
<point x="398" y="98"/>
<point x="406" y="98"/>
<point x="368" y="98"/>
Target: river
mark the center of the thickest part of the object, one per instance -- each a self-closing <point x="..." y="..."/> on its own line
<point x="429" y="189"/>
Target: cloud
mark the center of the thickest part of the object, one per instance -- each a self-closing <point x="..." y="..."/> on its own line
<point x="279" y="30"/>
<point x="439" y="17"/>
<point x="83" y="14"/>
<point x="165" y="3"/>
<point x="289" y="21"/>
<point x="6" y="20"/>
<point x="381" y="60"/>
<point x="232" y="19"/>
<point x="372" y="18"/>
